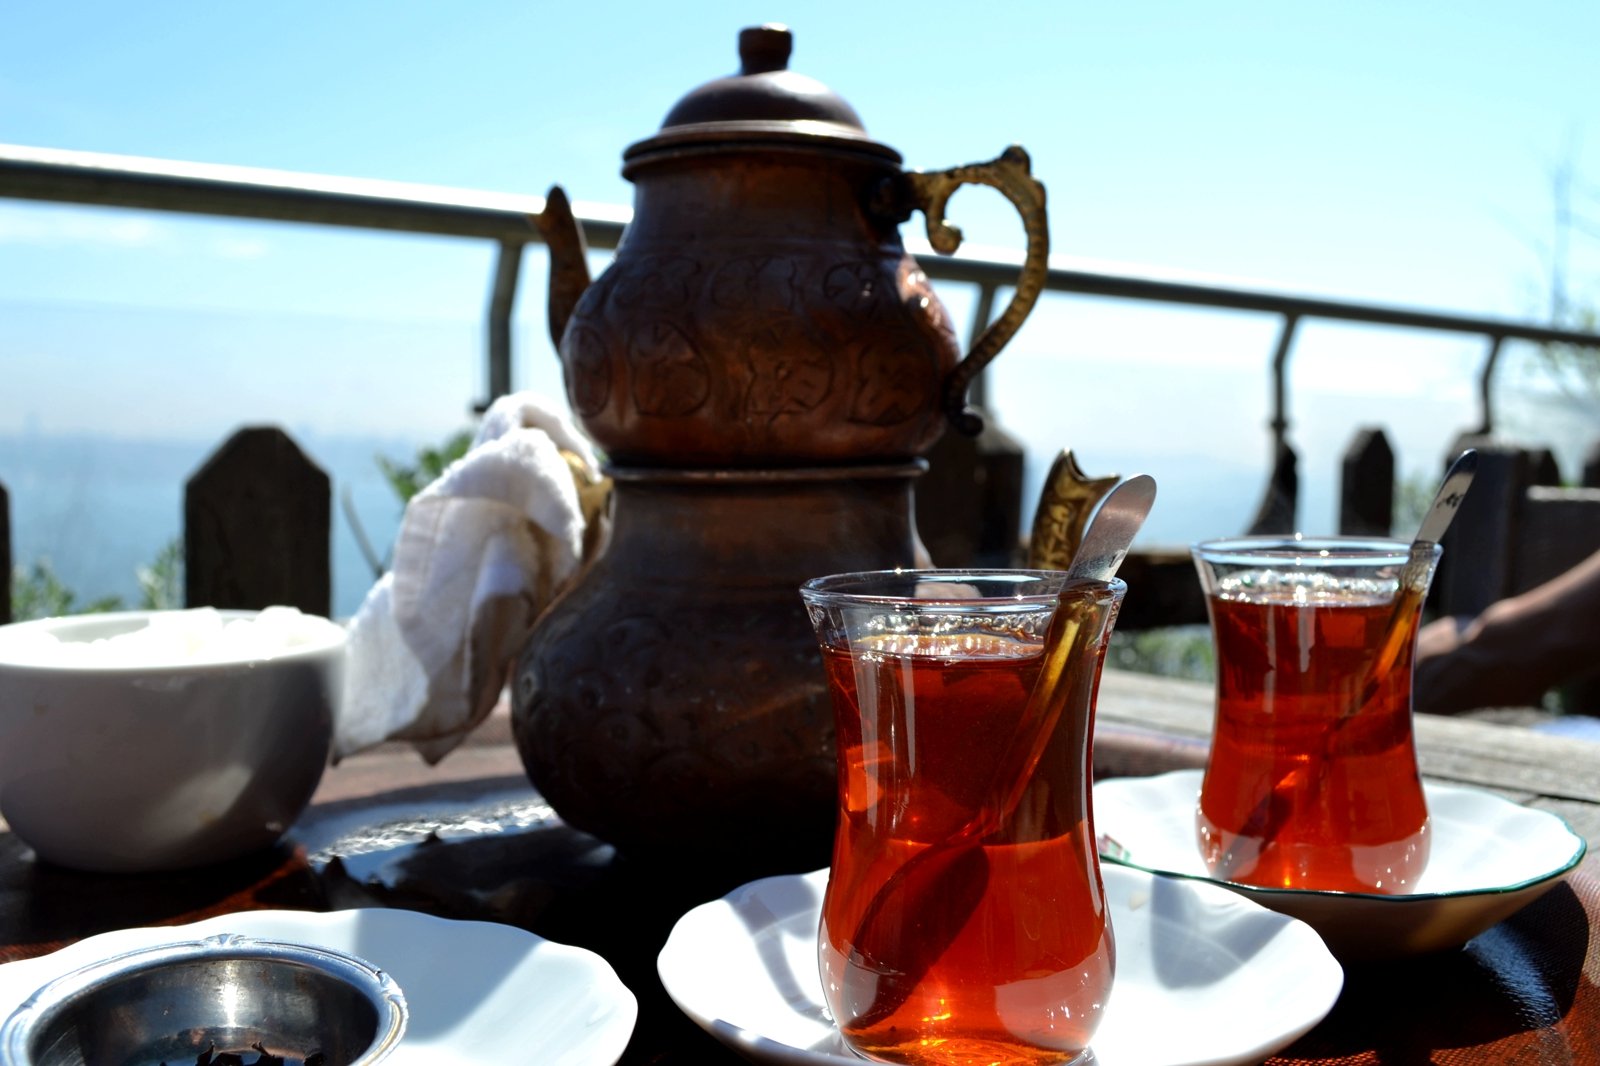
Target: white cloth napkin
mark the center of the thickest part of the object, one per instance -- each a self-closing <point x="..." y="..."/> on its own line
<point x="480" y="553"/>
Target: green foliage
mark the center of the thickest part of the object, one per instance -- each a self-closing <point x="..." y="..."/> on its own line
<point x="36" y="592"/>
<point x="1175" y="651"/>
<point x="1574" y="370"/>
<point x="409" y="479"/>
<point x="1413" y="495"/>
<point x="161" y="583"/>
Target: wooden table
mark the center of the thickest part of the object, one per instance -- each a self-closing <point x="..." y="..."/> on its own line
<point x="470" y="839"/>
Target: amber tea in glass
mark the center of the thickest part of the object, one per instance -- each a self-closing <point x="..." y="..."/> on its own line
<point x="964" y="919"/>
<point x="1312" y="778"/>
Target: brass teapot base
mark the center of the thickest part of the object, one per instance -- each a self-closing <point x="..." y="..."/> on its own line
<point x="673" y="702"/>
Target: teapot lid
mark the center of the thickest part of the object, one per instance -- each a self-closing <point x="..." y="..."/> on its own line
<point x="764" y="102"/>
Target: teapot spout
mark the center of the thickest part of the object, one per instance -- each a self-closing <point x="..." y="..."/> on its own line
<point x="569" y="262"/>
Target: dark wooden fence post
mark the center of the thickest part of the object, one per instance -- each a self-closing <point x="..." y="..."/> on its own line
<point x="1474" y="570"/>
<point x="1277" y="513"/>
<point x="1484" y="541"/>
<point x="5" y="556"/>
<point x="1542" y="467"/>
<point x="256" y="520"/>
<point x="1366" y="485"/>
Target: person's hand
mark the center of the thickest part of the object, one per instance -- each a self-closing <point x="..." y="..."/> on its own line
<point x="1464" y="663"/>
<point x="1516" y="650"/>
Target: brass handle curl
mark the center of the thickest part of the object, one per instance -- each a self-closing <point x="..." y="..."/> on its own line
<point x="1010" y="173"/>
<point x="1067" y="500"/>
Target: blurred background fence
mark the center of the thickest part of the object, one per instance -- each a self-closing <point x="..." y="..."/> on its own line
<point x="257" y="515"/>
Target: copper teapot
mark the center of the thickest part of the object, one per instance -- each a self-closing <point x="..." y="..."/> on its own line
<point x="763" y="366"/>
<point x="761" y="309"/>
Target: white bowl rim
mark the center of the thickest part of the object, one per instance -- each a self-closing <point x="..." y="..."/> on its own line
<point x="338" y="637"/>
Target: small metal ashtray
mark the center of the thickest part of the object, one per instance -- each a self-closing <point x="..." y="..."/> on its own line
<point x="203" y="1000"/>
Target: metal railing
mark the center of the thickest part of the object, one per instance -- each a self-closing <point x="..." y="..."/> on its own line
<point x="242" y="192"/>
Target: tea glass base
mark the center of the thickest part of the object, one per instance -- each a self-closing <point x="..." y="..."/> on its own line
<point x="977" y="1056"/>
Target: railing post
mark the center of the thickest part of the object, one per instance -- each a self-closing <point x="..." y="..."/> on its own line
<point x="982" y="314"/>
<point x="1485" y="386"/>
<point x="502" y="299"/>
<point x="1280" y="386"/>
<point x="969" y="503"/>
<point x="1280" y="502"/>
<point x="256" y="522"/>
<point x="1366" y="485"/>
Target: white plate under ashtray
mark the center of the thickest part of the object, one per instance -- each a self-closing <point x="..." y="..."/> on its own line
<point x="1489" y="858"/>
<point x="1203" y="975"/>
<point x="478" y="992"/>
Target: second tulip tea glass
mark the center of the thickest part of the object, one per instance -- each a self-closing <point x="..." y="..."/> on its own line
<point x="964" y="918"/>
<point x="1312" y="779"/>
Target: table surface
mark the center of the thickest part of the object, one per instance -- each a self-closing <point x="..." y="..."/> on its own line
<point x="385" y="829"/>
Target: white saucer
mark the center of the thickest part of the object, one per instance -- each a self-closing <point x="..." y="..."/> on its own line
<point x="478" y="992"/>
<point x="1489" y="858"/>
<point x="1203" y="975"/>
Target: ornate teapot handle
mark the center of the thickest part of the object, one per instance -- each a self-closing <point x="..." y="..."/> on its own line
<point x="1011" y="174"/>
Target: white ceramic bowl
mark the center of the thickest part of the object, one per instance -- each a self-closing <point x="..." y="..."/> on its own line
<point x="154" y="760"/>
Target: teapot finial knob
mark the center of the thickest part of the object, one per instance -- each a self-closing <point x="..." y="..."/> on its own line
<point x="764" y="49"/>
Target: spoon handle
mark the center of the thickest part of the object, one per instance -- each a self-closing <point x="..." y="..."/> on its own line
<point x="1414" y="577"/>
<point x="1116" y="523"/>
<point x="1447" y="501"/>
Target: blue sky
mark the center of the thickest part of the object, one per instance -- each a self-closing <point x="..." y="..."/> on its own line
<point x="1394" y="152"/>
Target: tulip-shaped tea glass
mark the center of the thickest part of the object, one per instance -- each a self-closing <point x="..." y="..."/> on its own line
<point x="1312" y="780"/>
<point x="964" y="919"/>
